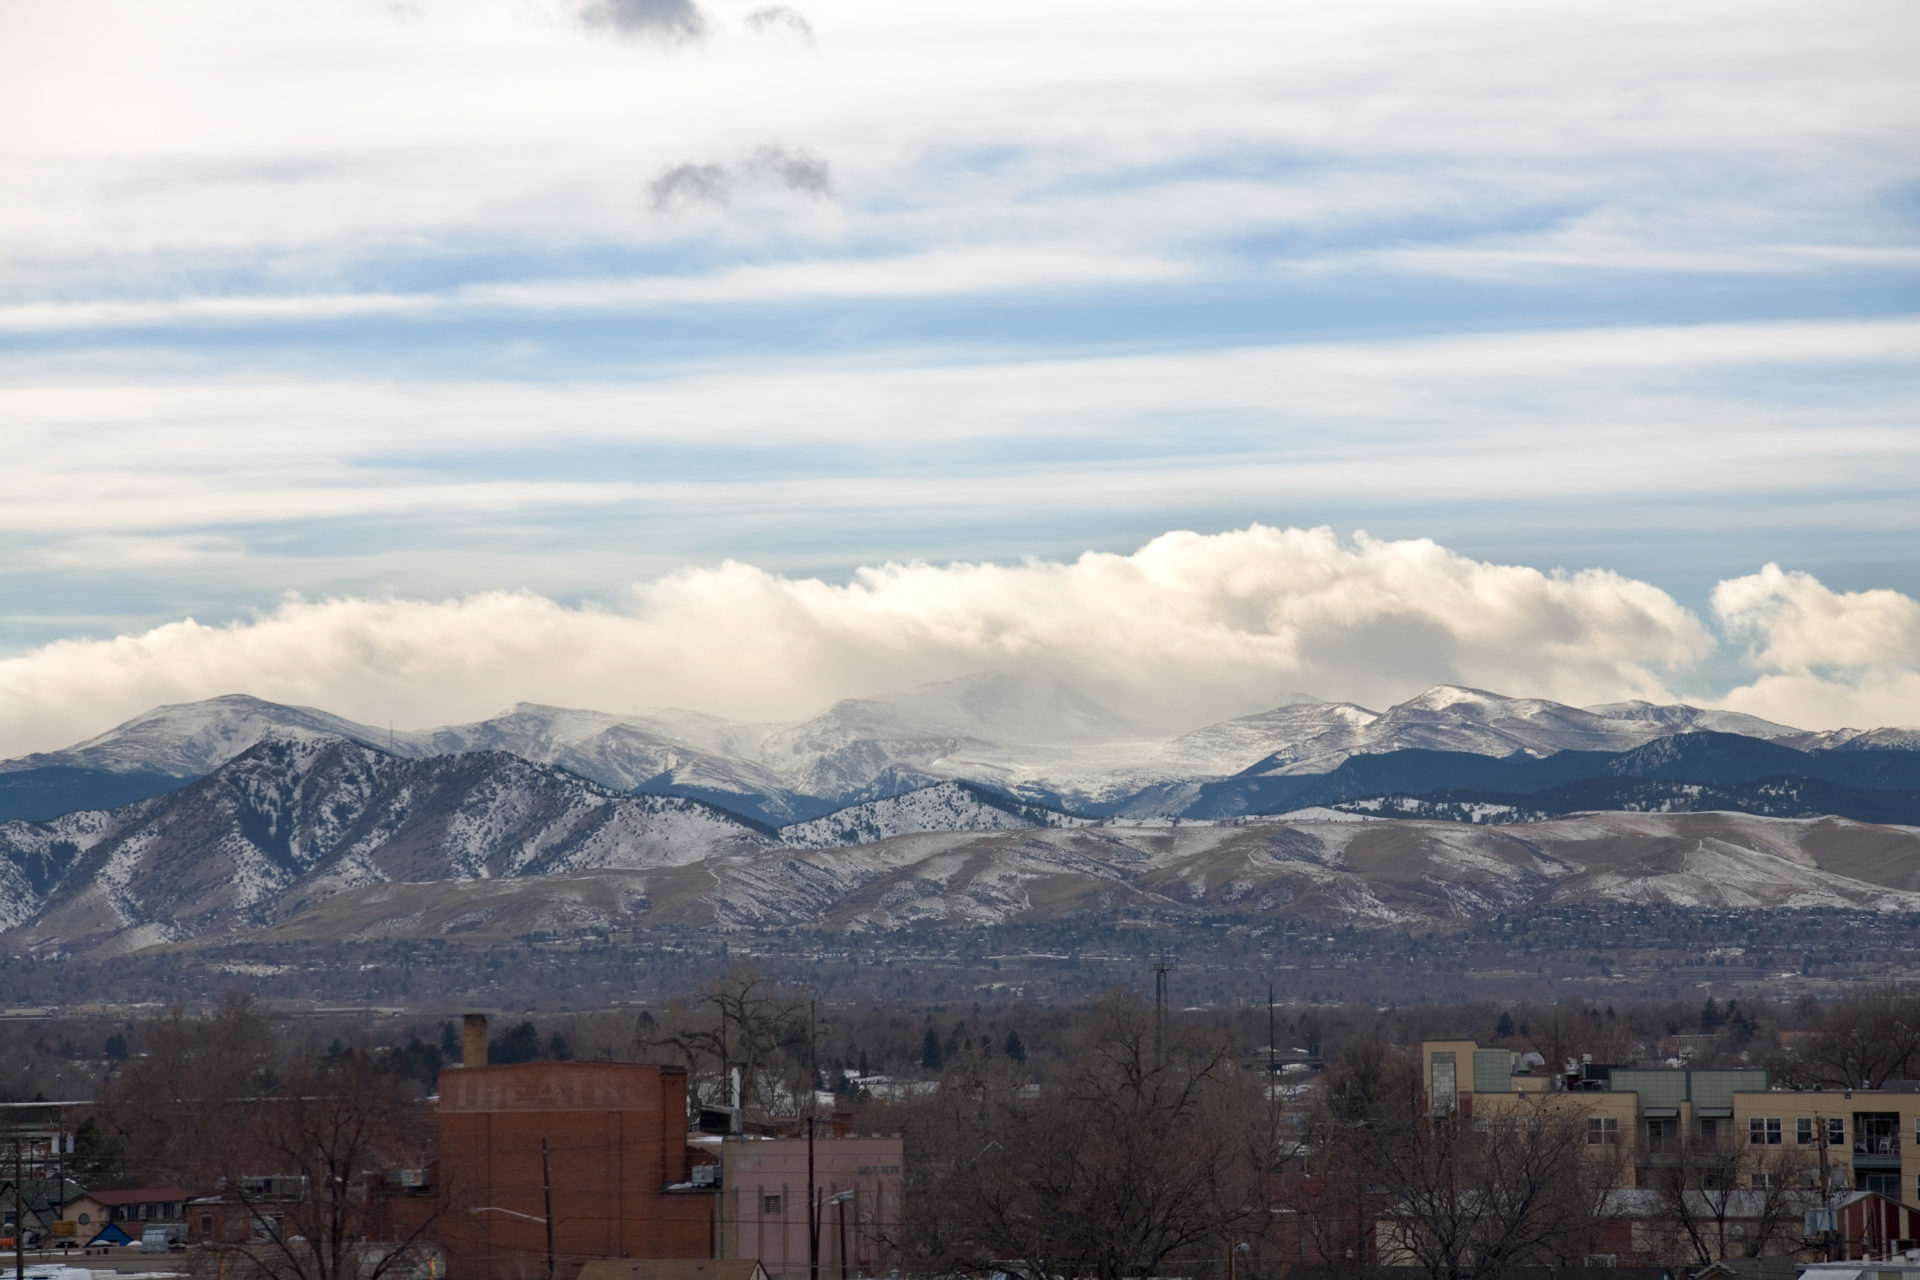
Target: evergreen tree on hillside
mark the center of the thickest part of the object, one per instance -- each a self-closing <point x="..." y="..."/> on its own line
<point x="930" y="1055"/>
<point x="518" y="1044"/>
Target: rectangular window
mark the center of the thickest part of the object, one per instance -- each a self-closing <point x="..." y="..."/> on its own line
<point x="1837" y="1131"/>
<point x="1443" y="1085"/>
<point x="1803" y="1131"/>
<point x="1886" y="1184"/>
<point x="1603" y="1131"/>
<point x="1762" y="1132"/>
<point x="769" y="1206"/>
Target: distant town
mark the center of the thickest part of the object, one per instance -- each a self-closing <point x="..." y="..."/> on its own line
<point x="755" y="1129"/>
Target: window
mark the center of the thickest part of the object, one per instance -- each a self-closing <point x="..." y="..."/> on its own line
<point x="1663" y="1132"/>
<point x="1603" y="1131"/>
<point x="1764" y="1181"/>
<point x="1763" y="1133"/>
<point x="769" y="1206"/>
<point x="1876" y="1134"/>
<point x="1837" y="1131"/>
<point x="1803" y="1131"/>
<point x="1886" y="1184"/>
<point x="1443" y="1084"/>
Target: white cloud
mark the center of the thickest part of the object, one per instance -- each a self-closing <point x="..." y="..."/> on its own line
<point x="1187" y="629"/>
<point x="1798" y="624"/>
<point x="1828" y="657"/>
<point x="152" y="133"/>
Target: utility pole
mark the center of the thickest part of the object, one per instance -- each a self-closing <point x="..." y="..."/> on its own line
<point x="19" y="1217"/>
<point x="546" y="1190"/>
<point x="1161" y="966"/>
<point x="813" y="1099"/>
<point x="1272" y="1050"/>
<point x="842" y="1206"/>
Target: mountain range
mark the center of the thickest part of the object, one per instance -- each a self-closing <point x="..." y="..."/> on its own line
<point x="239" y="816"/>
<point x="1034" y="738"/>
<point x="321" y="839"/>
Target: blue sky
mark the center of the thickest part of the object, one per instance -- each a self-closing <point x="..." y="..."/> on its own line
<point x="411" y="301"/>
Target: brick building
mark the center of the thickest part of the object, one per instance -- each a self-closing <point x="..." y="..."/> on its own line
<point x="597" y="1151"/>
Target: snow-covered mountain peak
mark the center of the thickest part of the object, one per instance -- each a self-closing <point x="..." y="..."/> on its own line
<point x="1445" y="697"/>
<point x="188" y="739"/>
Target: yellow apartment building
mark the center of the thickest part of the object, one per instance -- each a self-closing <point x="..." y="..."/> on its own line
<point x="1862" y="1140"/>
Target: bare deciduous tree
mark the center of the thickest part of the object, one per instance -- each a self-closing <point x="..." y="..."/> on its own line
<point x="1865" y="1040"/>
<point x="306" y="1196"/>
<point x="1471" y="1197"/>
<point x="172" y="1105"/>
<point x="745" y="1022"/>
<point x="1715" y="1200"/>
<point x="1134" y="1153"/>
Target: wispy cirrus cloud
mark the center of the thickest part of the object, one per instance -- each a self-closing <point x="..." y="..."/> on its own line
<point x="318" y="298"/>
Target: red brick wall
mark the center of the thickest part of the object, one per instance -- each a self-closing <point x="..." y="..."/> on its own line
<point x="615" y="1133"/>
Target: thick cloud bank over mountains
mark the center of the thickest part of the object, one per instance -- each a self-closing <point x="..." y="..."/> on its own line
<point x="1187" y="630"/>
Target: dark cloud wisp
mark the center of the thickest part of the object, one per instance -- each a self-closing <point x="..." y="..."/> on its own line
<point x="797" y="169"/>
<point x="666" y="19"/>
<point x="680" y="185"/>
<point x="780" y="19"/>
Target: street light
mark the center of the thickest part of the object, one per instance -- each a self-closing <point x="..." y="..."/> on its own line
<point x="546" y="1188"/>
<point x="840" y="1198"/>
<point x="525" y="1217"/>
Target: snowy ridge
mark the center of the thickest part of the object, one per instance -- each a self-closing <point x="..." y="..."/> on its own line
<point x="1372" y="873"/>
<point x="297" y="819"/>
<point x="328" y="839"/>
<point x="1036" y="738"/>
<point x="945" y="806"/>
<point x="189" y="739"/>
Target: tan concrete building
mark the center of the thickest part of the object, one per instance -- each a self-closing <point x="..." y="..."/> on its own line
<point x="762" y="1206"/>
<point x="1853" y="1139"/>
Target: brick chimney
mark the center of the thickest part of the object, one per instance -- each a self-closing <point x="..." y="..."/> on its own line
<point x="473" y="1040"/>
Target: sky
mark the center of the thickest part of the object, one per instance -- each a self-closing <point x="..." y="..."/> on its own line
<point x="414" y="357"/>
